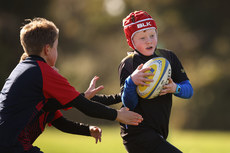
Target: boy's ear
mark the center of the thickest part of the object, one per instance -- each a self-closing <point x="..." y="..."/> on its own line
<point x="46" y="49"/>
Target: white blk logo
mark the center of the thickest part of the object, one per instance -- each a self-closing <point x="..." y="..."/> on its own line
<point x="143" y="24"/>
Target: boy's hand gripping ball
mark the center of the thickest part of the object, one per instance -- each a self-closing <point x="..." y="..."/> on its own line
<point x="161" y="69"/>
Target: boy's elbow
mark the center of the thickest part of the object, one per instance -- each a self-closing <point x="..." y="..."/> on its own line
<point x="190" y="94"/>
<point x="129" y="99"/>
<point x="128" y="105"/>
<point x="187" y="93"/>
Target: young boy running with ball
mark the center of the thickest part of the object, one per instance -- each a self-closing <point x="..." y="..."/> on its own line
<point x="150" y="135"/>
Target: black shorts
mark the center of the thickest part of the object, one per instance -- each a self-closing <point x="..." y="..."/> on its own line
<point x="149" y="142"/>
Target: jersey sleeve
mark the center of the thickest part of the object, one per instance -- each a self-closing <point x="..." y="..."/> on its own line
<point x="57" y="115"/>
<point x="128" y="88"/>
<point x="107" y="99"/>
<point x="56" y="86"/>
<point x="125" y="69"/>
<point x="178" y="72"/>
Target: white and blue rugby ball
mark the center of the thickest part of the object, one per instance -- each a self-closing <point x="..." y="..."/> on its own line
<point x="161" y="69"/>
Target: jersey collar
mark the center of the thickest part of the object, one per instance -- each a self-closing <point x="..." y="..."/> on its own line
<point x="36" y="57"/>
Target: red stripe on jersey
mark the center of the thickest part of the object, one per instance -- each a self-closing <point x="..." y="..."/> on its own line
<point x="39" y="106"/>
<point x="55" y="85"/>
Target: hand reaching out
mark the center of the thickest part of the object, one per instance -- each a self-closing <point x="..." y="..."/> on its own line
<point x="92" y="90"/>
<point x="95" y="132"/>
<point x="128" y="117"/>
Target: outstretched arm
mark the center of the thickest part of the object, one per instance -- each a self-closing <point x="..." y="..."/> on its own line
<point x="67" y="126"/>
<point x="90" y="93"/>
<point x="97" y="110"/>
<point x="92" y="90"/>
<point x="107" y="99"/>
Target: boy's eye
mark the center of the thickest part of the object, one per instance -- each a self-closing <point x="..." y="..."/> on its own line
<point x="142" y="38"/>
<point x="151" y="36"/>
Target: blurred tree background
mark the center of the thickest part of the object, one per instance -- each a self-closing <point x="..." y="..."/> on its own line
<point x="92" y="43"/>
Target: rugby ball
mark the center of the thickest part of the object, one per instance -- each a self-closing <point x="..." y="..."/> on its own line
<point x="161" y="69"/>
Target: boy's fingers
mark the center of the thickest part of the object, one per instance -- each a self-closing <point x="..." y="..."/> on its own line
<point x="170" y="80"/>
<point x="96" y="140"/>
<point x="148" y="80"/>
<point x="140" y="66"/>
<point x="145" y="81"/>
<point x="145" y="69"/>
<point x="148" y="74"/>
<point x="166" y="86"/>
<point x="99" y="88"/>
<point x="131" y="118"/>
<point x="138" y="117"/>
<point x="136" y="120"/>
<point x="125" y="108"/>
<point x="94" y="80"/>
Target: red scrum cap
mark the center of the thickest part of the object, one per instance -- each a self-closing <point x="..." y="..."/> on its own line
<point x="135" y="22"/>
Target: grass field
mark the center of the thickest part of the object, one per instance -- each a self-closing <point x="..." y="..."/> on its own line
<point x="54" y="141"/>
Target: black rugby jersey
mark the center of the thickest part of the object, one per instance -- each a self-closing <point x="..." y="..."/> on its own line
<point x="156" y="111"/>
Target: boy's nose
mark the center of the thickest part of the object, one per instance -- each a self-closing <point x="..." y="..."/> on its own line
<point x="149" y="41"/>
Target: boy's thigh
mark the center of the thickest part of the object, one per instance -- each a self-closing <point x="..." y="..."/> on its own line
<point x="143" y="143"/>
<point x="166" y="147"/>
<point x="149" y="142"/>
<point x="132" y="148"/>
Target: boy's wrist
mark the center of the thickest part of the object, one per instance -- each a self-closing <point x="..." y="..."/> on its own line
<point x="129" y="81"/>
<point x="178" y="89"/>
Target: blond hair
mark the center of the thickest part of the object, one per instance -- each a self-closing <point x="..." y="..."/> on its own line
<point x="36" y="34"/>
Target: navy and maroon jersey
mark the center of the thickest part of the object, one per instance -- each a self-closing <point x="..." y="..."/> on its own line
<point x="25" y="93"/>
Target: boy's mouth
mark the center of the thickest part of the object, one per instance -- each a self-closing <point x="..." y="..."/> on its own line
<point x="149" y="47"/>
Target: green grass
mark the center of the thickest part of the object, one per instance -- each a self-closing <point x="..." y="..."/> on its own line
<point x="201" y="141"/>
<point x="54" y="141"/>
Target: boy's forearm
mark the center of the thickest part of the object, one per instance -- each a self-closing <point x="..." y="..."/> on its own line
<point x="129" y="95"/>
<point x="93" y="109"/>
<point x="107" y="99"/>
<point x="67" y="126"/>
<point x="98" y="110"/>
<point x="186" y="90"/>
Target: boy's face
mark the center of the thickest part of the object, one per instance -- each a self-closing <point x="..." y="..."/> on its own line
<point x="145" y="41"/>
<point x="52" y="54"/>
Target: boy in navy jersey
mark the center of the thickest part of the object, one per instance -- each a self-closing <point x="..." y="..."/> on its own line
<point x="150" y="135"/>
<point x="34" y="93"/>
